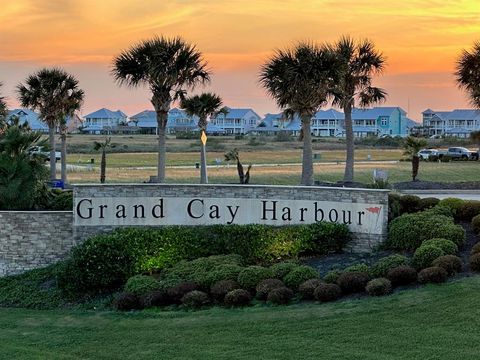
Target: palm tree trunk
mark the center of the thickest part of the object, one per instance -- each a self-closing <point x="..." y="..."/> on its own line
<point x="63" y="150"/>
<point x="103" y="166"/>
<point x="53" y="160"/>
<point x="307" y="161"/>
<point x="349" y="161"/>
<point x="415" y="166"/>
<point x="203" y="163"/>
<point x="162" y="148"/>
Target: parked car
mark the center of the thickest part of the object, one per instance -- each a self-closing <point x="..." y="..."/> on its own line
<point x="459" y="153"/>
<point x="41" y="151"/>
<point x="426" y="154"/>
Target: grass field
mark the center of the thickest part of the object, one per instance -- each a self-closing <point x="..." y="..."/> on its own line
<point x="433" y="322"/>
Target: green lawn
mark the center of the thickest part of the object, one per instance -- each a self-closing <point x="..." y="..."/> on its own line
<point x="434" y="322"/>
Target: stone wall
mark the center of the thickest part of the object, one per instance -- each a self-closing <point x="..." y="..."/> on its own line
<point x="32" y="239"/>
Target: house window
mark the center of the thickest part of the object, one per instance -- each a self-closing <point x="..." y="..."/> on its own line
<point x="384" y="122"/>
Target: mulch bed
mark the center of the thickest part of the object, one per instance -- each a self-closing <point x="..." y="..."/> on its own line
<point x="431" y="185"/>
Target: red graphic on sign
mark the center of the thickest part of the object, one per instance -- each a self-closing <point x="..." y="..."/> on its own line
<point x="374" y="210"/>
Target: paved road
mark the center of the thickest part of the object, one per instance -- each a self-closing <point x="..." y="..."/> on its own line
<point x="442" y="194"/>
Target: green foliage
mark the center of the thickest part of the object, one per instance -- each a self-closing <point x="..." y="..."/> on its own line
<point x="250" y="277"/>
<point x="299" y="275"/>
<point x="126" y="302"/>
<point x="186" y="135"/>
<point x="384" y="265"/>
<point x="379" y="287"/>
<point x="353" y="282"/>
<point x="450" y="263"/>
<point x="410" y="204"/>
<point x="428" y="203"/>
<point x="307" y="288"/>
<point x="327" y="292"/>
<point x="453" y="203"/>
<point x="154" y="299"/>
<point x="332" y="276"/>
<point x="195" y="299"/>
<point x="394" y="207"/>
<point x="425" y="254"/>
<point x="222" y="287"/>
<point x="439" y="210"/>
<point x="468" y="210"/>
<point x="402" y="275"/>
<point x="361" y="267"/>
<point x="447" y="246"/>
<point x="283" y="268"/>
<point x="177" y="292"/>
<point x="280" y="296"/>
<point x="61" y="201"/>
<point x="476" y="224"/>
<point x="237" y="297"/>
<point x="432" y="274"/>
<point x="408" y="231"/>
<point x="139" y="285"/>
<point x="474" y="262"/>
<point x="265" y="286"/>
<point x="223" y="272"/>
<point x="323" y="237"/>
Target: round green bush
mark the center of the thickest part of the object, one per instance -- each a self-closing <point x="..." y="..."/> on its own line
<point x="126" y="302"/>
<point x="281" y="269"/>
<point x="409" y="204"/>
<point x="475" y="249"/>
<point x="476" y="224"/>
<point x="453" y="203"/>
<point x="249" y="277"/>
<point x="307" y="288"/>
<point x="361" y="267"/>
<point x="195" y="299"/>
<point x="439" y="210"/>
<point x="451" y="263"/>
<point x="237" y="297"/>
<point x="155" y="299"/>
<point x="474" y="262"/>
<point x="432" y="274"/>
<point x="139" y="285"/>
<point x="223" y="272"/>
<point x="379" y="287"/>
<point x="353" y="282"/>
<point x="265" y="286"/>
<point x="327" y="292"/>
<point x="177" y="292"/>
<point x="280" y="296"/>
<point x="222" y="287"/>
<point x="332" y="276"/>
<point x="402" y="275"/>
<point x="448" y="246"/>
<point x="428" y="203"/>
<point x="424" y="256"/>
<point x="468" y="210"/>
<point x="299" y="275"/>
<point x="385" y="264"/>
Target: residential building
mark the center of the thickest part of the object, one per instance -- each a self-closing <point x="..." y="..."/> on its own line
<point x="178" y="120"/>
<point x="236" y="121"/>
<point x="457" y="123"/>
<point x="32" y="118"/>
<point x="104" y="121"/>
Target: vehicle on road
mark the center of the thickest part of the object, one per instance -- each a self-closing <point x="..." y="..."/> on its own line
<point x="426" y="154"/>
<point x="459" y="153"/>
<point x="41" y="151"/>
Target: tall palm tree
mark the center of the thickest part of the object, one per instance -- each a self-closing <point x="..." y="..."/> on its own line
<point x="55" y="94"/>
<point x="103" y="147"/>
<point x="203" y="106"/>
<point x="356" y="63"/>
<point x="475" y="137"/>
<point x="3" y="112"/>
<point x="412" y="146"/>
<point x="168" y="66"/>
<point x="468" y="73"/>
<point x="297" y="79"/>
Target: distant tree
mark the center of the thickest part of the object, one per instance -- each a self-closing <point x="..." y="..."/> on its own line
<point x="3" y="112"/>
<point x="475" y="137"/>
<point x="412" y="146"/>
<point x="468" y="73"/>
<point x="355" y="65"/>
<point x="203" y="106"/>
<point x="168" y="66"/>
<point x="103" y="147"/>
<point x="54" y="94"/>
<point x="297" y="79"/>
<point x="244" y="176"/>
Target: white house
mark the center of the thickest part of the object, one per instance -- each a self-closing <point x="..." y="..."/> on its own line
<point x="103" y="120"/>
<point x="236" y="121"/>
<point x="457" y="123"/>
<point x="36" y="124"/>
<point x="178" y="120"/>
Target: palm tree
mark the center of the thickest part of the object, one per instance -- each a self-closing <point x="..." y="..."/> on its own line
<point x="356" y="63"/>
<point x="244" y="176"/>
<point x="54" y="94"/>
<point x="475" y="137"/>
<point x="168" y="66"/>
<point x="297" y="79"/>
<point x="3" y="112"/>
<point x="103" y="147"/>
<point x="412" y="146"/>
<point x="203" y="106"/>
<point x="468" y="73"/>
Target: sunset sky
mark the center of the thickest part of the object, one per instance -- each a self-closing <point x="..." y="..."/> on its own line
<point x="420" y="38"/>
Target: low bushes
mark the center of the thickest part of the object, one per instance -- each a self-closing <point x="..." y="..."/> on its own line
<point x="475" y="249"/>
<point x="154" y="299"/>
<point x="280" y="295"/>
<point x="281" y="269"/>
<point x="450" y="263"/>
<point x="265" y="286"/>
<point x="474" y="261"/>
<point x="361" y="267"/>
<point x="126" y="302"/>
<point x="299" y="275"/>
<point x="432" y="274"/>
<point x="177" y="292"/>
<point x="222" y="287"/>
<point x="447" y="246"/>
<point x="453" y="203"/>
<point x="353" y="282"/>
<point x="428" y="203"/>
<point x="307" y="289"/>
<point x="468" y="210"/>
<point x="238" y="297"/>
<point x="379" y="287"/>
<point x="139" y="285"/>
<point x="195" y="299"/>
<point x="476" y="224"/>
<point x="402" y="275"/>
<point x="425" y="254"/>
<point x="384" y="265"/>
<point x="332" y="276"/>
<point x="249" y="277"/>
<point x="327" y="292"/>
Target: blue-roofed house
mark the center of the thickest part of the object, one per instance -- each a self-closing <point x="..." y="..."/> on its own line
<point x="25" y="115"/>
<point x="236" y="121"/>
<point x="457" y="123"/>
<point x="380" y="121"/>
<point x="178" y="120"/>
<point x="327" y="123"/>
<point x="103" y="120"/>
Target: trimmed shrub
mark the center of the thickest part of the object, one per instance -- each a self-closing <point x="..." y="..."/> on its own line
<point x="126" y="302"/>
<point x="332" y="276"/>
<point x="267" y="285"/>
<point x="327" y="292"/>
<point x="451" y="263"/>
<point x="280" y="296"/>
<point x="195" y="299"/>
<point x="379" y="287"/>
<point x="402" y="275"/>
<point x="139" y="285"/>
<point x="324" y="237"/>
<point x="439" y="210"/>
<point x="476" y="224"/>
<point x="249" y="277"/>
<point x="428" y="203"/>
<point x="475" y="249"/>
<point x="154" y="299"/>
<point x="453" y="203"/>
<point x="425" y="254"/>
<point x="468" y="210"/>
<point x="407" y="232"/>
<point x="281" y="269"/>
<point x="238" y="297"/>
<point x="447" y="246"/>
<point x="222" y="287"/>
<point x="299" y="275"/>
<point x="307" y="288"/>
<point x="474" y="262"/>
<point x="177" y="292"/>
<point x="409" y="204"/>
<point x="385" y="264"/>
<point x="223" y="272"/>
<point x="432" y="274"/>
<point x="353" y="282"/>
<point x="361" y="267"/>
<point x="394" y="209"/>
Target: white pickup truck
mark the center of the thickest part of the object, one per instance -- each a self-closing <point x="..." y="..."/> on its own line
<point x="39" y="150"/>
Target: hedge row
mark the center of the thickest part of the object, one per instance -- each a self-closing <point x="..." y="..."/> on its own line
<point x="105" y="262"/>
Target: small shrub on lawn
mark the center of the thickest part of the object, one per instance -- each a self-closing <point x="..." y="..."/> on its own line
<point x="475" y="249"/>
<point x="126" y="302"/>
<point x="223" y="272"/>
<point x="453" y="203"/>
<point x="327" y="292"/>
<point x="402" y="275"/>
<point x="222" y="287"/>
<point x="385" y="264"/>
<point x="428" y="203"/>
<point x="439" y="210"/>
<point x="281" y="269"/>
<point x="154" y="299"/>
<point x="299" y="275"/>
<point x="177" y="292"/>
<point x="307" y="288"/>
<point x="476" y="224"/>
<point x="195" y="299"/>
<point x="267" y="285"/>
<point x="432" y="274"/>
<point x="474" y="261"/>
<point x="139" y="285"/>
<point x="409" y="204"/>
<point x="238" y="297"/>
<point x="280" y="296"/>
<point x="448" y="246"/>
<point x="379" y="287"/>
<point x="361" y="267"/>
<point x="468" y="210"/>
<point x="332" y="276"/>
<point x="249" y="277"/>
<point x="353" y="282"/>
<point x="425" y="254"/>
<point x="451" y="263"/>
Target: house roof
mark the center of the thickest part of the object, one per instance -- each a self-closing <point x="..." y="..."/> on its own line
<point x="238" y="113"/>
<point x="411" y="123"/>
<point x="375" y="113"/>
<point x="456" y="114"/>
<point x="328" y="114"/>
<point x="34" y="121"/>
<point x="148" y="119"/>
<point x="106" y="114"/>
